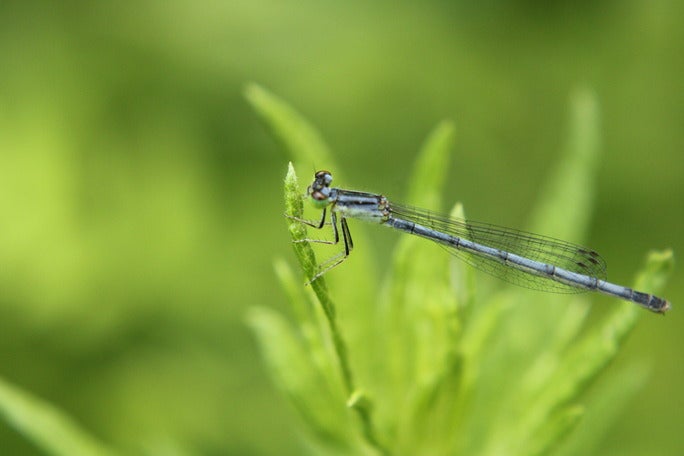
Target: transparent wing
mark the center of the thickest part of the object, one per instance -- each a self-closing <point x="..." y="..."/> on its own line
<point x="535" y="247"/>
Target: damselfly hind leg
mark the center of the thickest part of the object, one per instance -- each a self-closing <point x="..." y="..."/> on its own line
<point x="346" y="237"/>
<point x="336" y="260"/>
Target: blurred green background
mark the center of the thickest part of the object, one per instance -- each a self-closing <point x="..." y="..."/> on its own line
<point x="141" y="197"/>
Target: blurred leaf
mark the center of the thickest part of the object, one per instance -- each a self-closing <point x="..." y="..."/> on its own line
<point x="306" y="147"/>
<point x="292" y="370"/>
<point x="303" y="143"/>
<point x="313" y="328"/>
<point x="433" y="412"/>
<point x="654" y="275"/>
<point x="563" y="211"/>
<point x="567" y="197"/>
<point x="46" y="426"/>
<point x="606" y="404"/>
<point x="558" y="425"/>
<point x="427" y="179"/>
<point x="418" y="307"/>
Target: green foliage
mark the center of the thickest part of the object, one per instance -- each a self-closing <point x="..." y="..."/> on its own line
<point x="46" y="426"/>
<point x="141" y="212"/>
<point x="453" y="363"/>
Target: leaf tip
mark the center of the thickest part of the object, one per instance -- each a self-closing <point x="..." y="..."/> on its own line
<point x="293" y="201"/>
<point x="358" y="399"/>
<point x="253" y="92"/>
<point x="656" y="271"/>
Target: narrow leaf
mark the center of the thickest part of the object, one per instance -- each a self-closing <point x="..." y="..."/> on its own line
<point x="301" y="140"/>
<point x="431" y="168"/>
<point x="46" y="426"/>
<point x="418" y="306"/>
<point x="307" y="260"/>
<point x="565" y="206"/>
<point x="606" y="404"/>
<point x="306" y="149"/>
<point x="557" y="427"/>
<point x="292" y="371"/>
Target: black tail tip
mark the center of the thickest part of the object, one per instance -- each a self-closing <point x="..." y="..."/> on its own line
<point x="659" y="305"/>
<point x="666" y="307"/>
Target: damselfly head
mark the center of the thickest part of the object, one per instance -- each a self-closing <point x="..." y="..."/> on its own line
<point x="319" y="190"/>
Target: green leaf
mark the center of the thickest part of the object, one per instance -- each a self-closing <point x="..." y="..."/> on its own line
<point x="294" y="209"/>
<point x="311" y="325"/>
<point x="306" y="148"/>
<point x="418" y="307"/>
<point x="434" y="411"/>
<point x="46" y="426"/>
<point x="430" y="169"/>
<point x="565" y="206"/>
<point x="304" y="144"/>
<point x="320" y="406"/>
<point x="656" y="272"/>
<point x="607" y="402"/>
<point x="558" y="425"/>
<point x="307" y="260"/>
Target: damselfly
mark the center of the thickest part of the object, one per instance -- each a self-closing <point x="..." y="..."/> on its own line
<point x="525" y="259"/>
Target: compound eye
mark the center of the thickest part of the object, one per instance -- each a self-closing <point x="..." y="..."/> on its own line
<point x="324" y="176"/>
